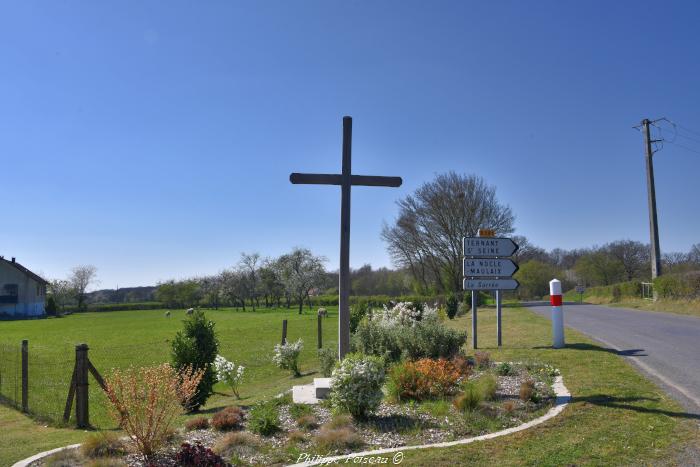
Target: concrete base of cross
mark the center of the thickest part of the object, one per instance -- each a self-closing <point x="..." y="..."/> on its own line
<point x="312" y="393"/>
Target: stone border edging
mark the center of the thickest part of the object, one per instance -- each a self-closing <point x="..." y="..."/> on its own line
<point x="41" y="455"/>
<point x="563" y="396"/>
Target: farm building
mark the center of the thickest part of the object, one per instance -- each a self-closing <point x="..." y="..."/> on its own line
<point x="22" y="293"/>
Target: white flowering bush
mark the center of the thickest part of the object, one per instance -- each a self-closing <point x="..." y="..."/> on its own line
<point x="406" y="314"/>
<point x="287" y="356"/>
<point x="229" y="373"/>
<point x="356" y="384"/>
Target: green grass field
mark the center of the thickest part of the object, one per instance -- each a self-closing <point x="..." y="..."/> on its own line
<point x="120" y="339"/>
<point x="617" y="417"/>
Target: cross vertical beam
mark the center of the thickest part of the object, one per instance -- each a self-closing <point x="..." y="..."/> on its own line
<point x="345" y="180"/>
<point x="344" y="276"/>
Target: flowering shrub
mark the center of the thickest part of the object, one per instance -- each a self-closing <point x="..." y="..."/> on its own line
<point x="424" y="379"/>
<point x="356" y="384"/>
<point x="229" y="373"/>
<point x="406" y="314"/>
<point x="145" y="401"/>
<point x="287" y="356"/>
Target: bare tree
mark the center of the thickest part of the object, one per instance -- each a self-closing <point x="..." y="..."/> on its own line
<point x="634" y="257"/>
<point x="300" y="272"/>
<point x="426" y="238"/>
<point x="81" y="278"/>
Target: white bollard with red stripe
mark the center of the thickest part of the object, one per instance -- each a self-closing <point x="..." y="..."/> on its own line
<point x="557" y="314"/>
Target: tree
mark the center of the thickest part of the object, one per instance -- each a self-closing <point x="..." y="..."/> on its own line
<point x="250" y="269"/>
<point x="82" y="277"/>
<point x="599" y="268"/>
<point x="534" y="277"/>
<point x="634" y="257"/>
<point x="426" y="238"/>
<point x="270" y="284"/>
<point x="694" y="255"/>
<point x="300" y="272"/>
<point x="61" y="291"/>
<point x="211" y="290"/>
<point x="195" y="349"/>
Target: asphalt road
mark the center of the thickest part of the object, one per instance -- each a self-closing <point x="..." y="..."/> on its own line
<point x="666" y="347"/>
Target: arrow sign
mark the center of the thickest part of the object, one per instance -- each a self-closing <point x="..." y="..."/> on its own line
<point x="488" y="267"/>
<point x="488" y="246"/>
<point x="490" y="284"/>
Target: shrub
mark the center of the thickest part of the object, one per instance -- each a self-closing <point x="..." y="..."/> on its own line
<point x="65" y="458"/>
<point x="424" y="379"/>
<point x="391" y="340"/>
<point x="227" y="419"/>
<point x="196" y="347"/>
<point x="462" y="309"/>
<point x="264" y="419"/>
<point x="307" y="422"/>
<point x="356" y="386"/>
<point x="509" y="407"/>
<point x="463" y="364"/>
<point x="340" y="421"/>
<point x="488" y="385"/>
<point x="198" y="423"/>
<point x="470" y="399"/>
<point x="102" y="444"/>
<point x="299" y="410"/>
<point x="327" y="359"/>
<point x="145" y="401"/>
<point x="527" y="391"/>
<point x="235" y="443"/>
<point x="616" y="293"/>
<point x="287" y="356"/>
<point x="197" y="456"/>
<point x="483" y="360"/>
<point x="296" y="437"/>
<point x="341" y="439"/>
<point x="452" y="305"/>
<point x="505" y="369"/>
<point x="357" y="312"/>
<point x="51" y="307"/>
<point x="229" y="373"/>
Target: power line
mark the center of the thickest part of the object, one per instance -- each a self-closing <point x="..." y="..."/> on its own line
<point x="684" y="147"/>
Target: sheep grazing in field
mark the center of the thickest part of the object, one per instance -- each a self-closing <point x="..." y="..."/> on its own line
<point x="167" y="314"/>
<point x="323" y="313"/>
<point x="189" y="311"/>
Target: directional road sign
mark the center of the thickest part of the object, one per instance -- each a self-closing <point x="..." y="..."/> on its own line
<point x="488" y="246"/>
<point x="488" y="267"/>
<point x="490" y="284"/>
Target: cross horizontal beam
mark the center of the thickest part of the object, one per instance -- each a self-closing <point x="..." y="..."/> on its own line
<point x="337" y="179"/>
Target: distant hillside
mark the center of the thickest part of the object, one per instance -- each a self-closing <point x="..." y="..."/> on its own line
<point x="125" y="295"/>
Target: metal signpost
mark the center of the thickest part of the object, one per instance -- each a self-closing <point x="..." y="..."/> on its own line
<point x="486" y="267"/>
<point x="579" y="290"/>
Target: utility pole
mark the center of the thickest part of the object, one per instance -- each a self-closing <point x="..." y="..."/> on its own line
<point x="651" y="196"/>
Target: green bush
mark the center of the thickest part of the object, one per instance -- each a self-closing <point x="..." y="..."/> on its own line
<point x="488" y="385"/>
<point x="452" y="305"/>
<point x="264" y="418"/>
<point x="197" y="346"/>
<point x="425" y="339"/>
<point x="470" y="399"/>
<point x="327" y="359"/>
<point x="357" y="312"/>
<point x="50" y="307"/>
<point x="505" y="369"/>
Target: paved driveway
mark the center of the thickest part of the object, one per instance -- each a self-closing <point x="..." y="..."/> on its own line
<point x="664" y="346"/>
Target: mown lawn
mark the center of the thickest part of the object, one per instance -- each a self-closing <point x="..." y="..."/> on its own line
<point x="123" y="338"/>
<point x="616" y="418"/>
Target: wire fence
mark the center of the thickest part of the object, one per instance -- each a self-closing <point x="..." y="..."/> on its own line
<point x="10" y="376"/>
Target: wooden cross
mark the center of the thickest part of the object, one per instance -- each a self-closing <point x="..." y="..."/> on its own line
<point x="345" y="180"/>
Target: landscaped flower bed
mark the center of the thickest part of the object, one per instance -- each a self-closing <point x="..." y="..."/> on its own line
<point x="408" y="384"/>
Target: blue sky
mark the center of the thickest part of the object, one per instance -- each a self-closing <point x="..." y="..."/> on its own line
<point x="155" y="139"/>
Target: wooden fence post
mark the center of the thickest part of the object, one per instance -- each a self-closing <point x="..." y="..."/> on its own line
<point x="320" y="332"/>
<point x="284" y="331"/>
<point x="82" y="410"/>
<point x="25" y="376"/>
